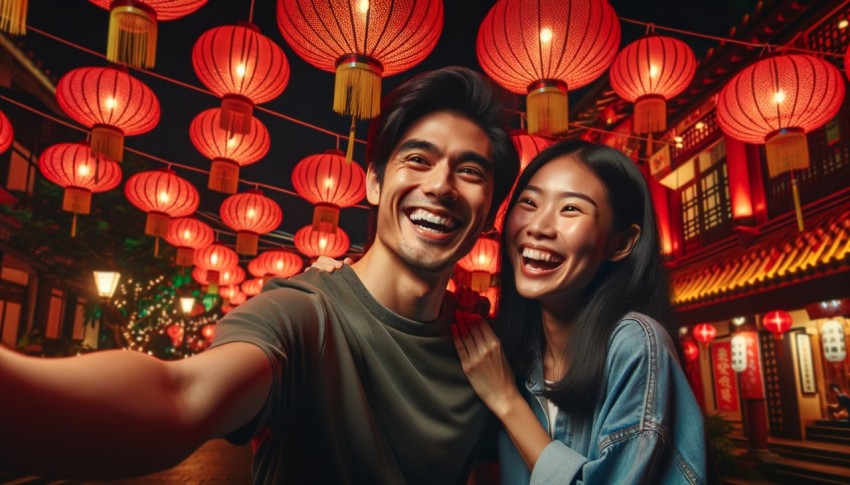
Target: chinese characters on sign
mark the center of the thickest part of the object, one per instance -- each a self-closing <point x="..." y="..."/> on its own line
<point x="752" y="384"/>
<point x="725" y="381"/>
<point x="804" y="359"/>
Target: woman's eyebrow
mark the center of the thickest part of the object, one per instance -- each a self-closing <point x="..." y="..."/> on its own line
<point x="564" y="195"/>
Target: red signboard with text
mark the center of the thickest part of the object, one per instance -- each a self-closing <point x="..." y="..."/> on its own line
<point x="752" y="382"/>
<point x="725" y="380"/>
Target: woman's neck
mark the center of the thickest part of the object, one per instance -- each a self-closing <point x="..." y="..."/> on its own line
<point x="557" y="328"/>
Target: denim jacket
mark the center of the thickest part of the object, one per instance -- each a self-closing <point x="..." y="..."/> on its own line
<point x="646" y="426"/>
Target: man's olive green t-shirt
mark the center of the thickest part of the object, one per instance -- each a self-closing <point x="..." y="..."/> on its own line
<point x="359" y="393"/>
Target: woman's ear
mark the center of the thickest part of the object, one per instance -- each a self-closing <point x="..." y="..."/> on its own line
<point x="625" y="243"/>
<point x="373" y="187"/>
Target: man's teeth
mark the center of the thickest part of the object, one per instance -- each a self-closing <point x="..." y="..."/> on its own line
<point x="538" y="255"/>
<point x="432" y="221"/>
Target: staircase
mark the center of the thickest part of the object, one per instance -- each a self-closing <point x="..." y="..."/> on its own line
<point x="829" y="431"/>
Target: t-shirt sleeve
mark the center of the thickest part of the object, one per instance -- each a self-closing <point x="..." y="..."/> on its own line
<point x="288" y="325"/>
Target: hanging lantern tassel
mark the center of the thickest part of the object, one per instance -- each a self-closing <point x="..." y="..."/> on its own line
<point x="357" y="87"/>
<point x="548" y="106"/>
<point x="349" y="152"/>
<point x="107" y="141"/>
<point x="76" y="201"/>
<point x="326" y="218"/>
<point x="13" y="16"/>
<point x="788" y="150"/>
<point x="132" y="34"/>
<point x="224" y="176"/>
<point x="650" y="114"/>
<point x="247" y="242"/>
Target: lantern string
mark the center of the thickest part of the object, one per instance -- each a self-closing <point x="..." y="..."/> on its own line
<point x="152" y="157"/>
<point x="190" y="86"/>
<point x="251" y="12"/>
<point x="730" y="40"/>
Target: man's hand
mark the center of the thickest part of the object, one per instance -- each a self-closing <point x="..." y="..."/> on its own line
<point x="329" y="265"/>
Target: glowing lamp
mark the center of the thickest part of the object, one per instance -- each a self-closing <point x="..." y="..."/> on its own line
<point x="243" y="67"/>
<point x="776" y="101"/>
<point x="482" y="261"/>
<point x="110" y="102"/>
<point x="739" y="353"/>
<point x="544" y="49"/>
<point x="648" y="72"/>
<point x="704" y="333"/>
<point x="250" y="214"/>
<point x="133" y="27"/>
<point x="187" y="304"/>
<point x="106" y="282"/>
<point x="313" y="243"/>
<point x="833" y="340"/>
<point x="690" y="349"/>
<point x="188" y="234"/>
<point x="227" y="149"/>
<point x="72" y="166"/>
<point x="777" y="322"/>
<point x="329" y="182"/>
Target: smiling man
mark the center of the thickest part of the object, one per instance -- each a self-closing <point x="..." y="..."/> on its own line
<point x="350" y="377"/>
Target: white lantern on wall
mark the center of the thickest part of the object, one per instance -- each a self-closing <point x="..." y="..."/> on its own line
<point x="832" y="338"/>
<point x="739" y="353"/>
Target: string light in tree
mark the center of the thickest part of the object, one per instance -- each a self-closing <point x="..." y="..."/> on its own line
<point x="72" y="166"/>
<point x="133" y="27"/>
<point x="110" y="102"/>
<point x="243" y="67"/>
<point x="227" y="149"/>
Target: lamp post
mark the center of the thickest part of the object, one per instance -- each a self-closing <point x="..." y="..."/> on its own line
<point x="106" y="283"/>
<point x="187" y="303"/>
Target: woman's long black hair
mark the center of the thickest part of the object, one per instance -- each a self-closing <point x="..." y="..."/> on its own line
<point x="637" y="283"/>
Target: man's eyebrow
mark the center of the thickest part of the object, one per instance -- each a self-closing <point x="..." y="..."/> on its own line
<point x="564" y="195"/>
<point x="417" y="144"/>
<point x="425" y="145"/>
<point x="475" y="157"/>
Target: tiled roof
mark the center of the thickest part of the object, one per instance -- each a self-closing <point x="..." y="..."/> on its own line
<point x="772" y="257"/>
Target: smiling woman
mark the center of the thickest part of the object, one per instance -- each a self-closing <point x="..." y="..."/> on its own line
<point x="585" y="323"/>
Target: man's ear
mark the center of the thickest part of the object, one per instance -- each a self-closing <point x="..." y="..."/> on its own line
<point x="373" y="187"/>
<point x="625" y="243"/>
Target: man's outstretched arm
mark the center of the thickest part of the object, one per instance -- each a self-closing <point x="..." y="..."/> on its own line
<point x="123" y="413"/>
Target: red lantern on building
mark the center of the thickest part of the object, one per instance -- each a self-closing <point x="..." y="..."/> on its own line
<point x="776" y="101"/>
<point x="7" y="134"/>
<point x="777" y="322"/>
<point x="329" y="182"/>
<point x="366" y="41"/>
<point x="545" y="49"/>
<point x="250" y="214"/>
<point x="704" y="333"/>
<point x="243" y="67"/>
<point x="215" y="259"/>
<point x="253" y="286"/>
<point x="279" y="263"/>
<point x="313" y="244"/>
<point x="163" y="195"/>
<point x="482" y="261"/>
<point x="188" y="234"/>
<point x="227" y="150"/>
<point x="648" y="72"/>
<point x="71" y="166"/>
<point x="133" y="27"/>
<point x="690" y="349"/>
<point x="110" y="102"/>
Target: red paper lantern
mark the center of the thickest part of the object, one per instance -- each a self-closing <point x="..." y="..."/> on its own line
<point x="188" y="234"/>
<point x="482" y="261"/>
<point x="777" y="101"/>
<point x="215" y="259"/>
<point x="7" y="134"/>
<point x="280" y="263"/>
<point x="243" y="67"/>
<point x="253" y="286"/>
<point x="232" y="295"/>
<point x="778" y="322"/>
<point x="228" y="150"/>
<point x="250" y="214"/>
<point x="361" y="41"/>
<point x="163" y="195"/>
<point x="313" y="244"/>
<point x="133" y="28"/>
<point x="329" y="182"/>
<point x="648" y="72"/>
<point x="528" y="146"/>
<point x="208" y="331"/>
<point x="71" y="166"/>
<point x="704" y="333"/>
<point x="229" y="276"/>
<point x="691" y="350"/>
<point x="545" y="49"/>
<point x="110" y="102"/>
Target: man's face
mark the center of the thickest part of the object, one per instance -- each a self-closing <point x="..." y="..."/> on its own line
<point x="436" y="193"/>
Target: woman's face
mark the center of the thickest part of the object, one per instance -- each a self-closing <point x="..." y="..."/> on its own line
<point x="558" y="233"/>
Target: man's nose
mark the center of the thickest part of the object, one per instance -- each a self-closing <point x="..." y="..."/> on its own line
<point x="440" y="182"/>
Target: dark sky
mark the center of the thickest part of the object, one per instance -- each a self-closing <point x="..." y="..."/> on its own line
<point x="308" y="95"/>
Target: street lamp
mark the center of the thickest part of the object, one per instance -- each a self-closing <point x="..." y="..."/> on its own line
<point x="107" y="282"/>
<point x="187" y="303"/>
